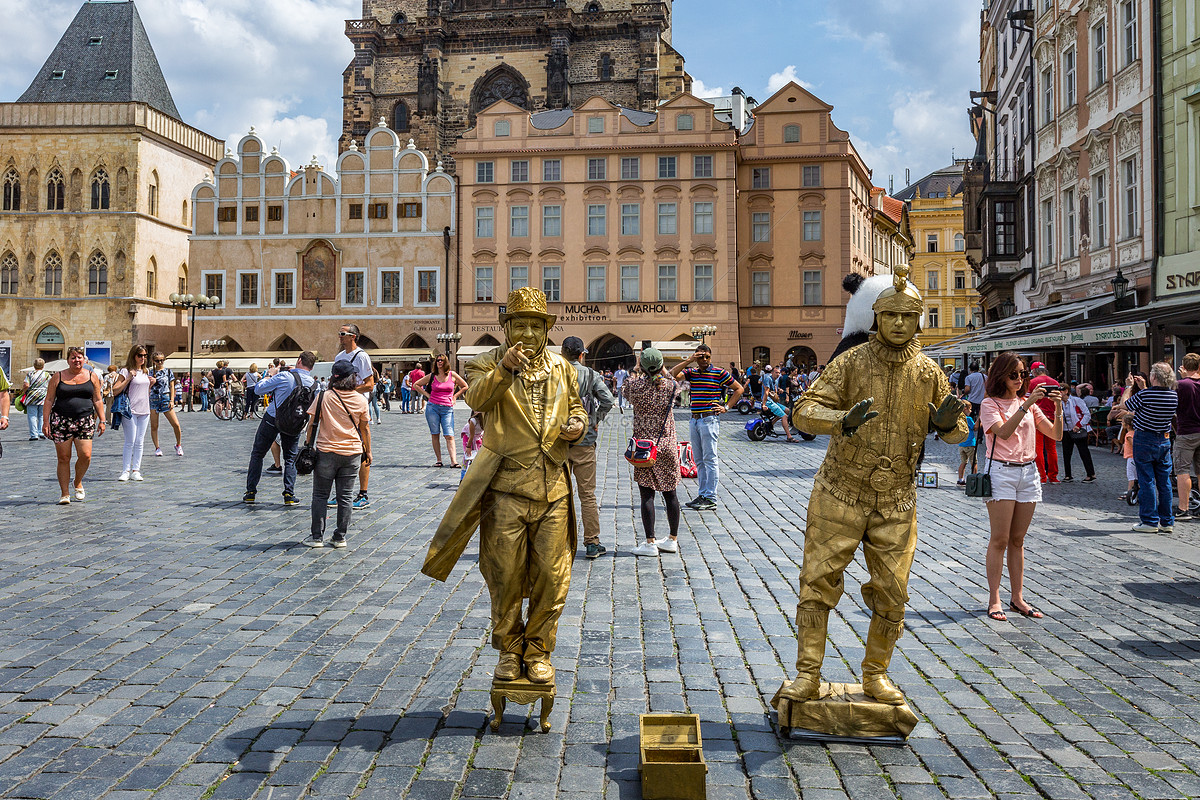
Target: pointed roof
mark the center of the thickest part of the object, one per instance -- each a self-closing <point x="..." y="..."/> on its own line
<point x="104" y="57"/>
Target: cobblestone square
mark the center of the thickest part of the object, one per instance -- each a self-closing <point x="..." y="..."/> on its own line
<point x="164" y="639"/>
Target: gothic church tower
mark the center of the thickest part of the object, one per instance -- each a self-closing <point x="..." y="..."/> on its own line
<point x="428" y="66"/>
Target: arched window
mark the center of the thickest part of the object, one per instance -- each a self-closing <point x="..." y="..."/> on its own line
<point x="502" y="83"/>
<point x="152" y="278"/>
<point x="56" y="191"/>
<point x="399" y="19"/>
<point x="593" y="8"/>
<point x="400" y="117"/>
<point x="186" y="220"/>
<point x="605" y="67"/>
<point x="183" y="275"/>
<point x="12" y="191"/>
<point x="100" y="190"/>
<point x="791" y="133"/>
<point x="53" y="271"/>
<point x="959" y="243"/>
<point x="9" y="273"/>
<point x="97" y="274"/>
<point x="153" y="194"/>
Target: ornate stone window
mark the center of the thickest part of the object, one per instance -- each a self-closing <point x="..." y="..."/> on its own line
<point x="12" y="191"/>
<point x="9" y="274"/>
<point x="502" y="83"/>
<point x="605" y="68"/>
<point x="593" y="8"/>
<point x="399" y="19"/>
<point x="56" y="191"/>
<point x="53" y="271"/>
<point x="100" y="190"/>
<point x="97" y="274"/>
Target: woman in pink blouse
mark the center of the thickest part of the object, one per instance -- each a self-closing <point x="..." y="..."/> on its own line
<point x="1011" y="419"/>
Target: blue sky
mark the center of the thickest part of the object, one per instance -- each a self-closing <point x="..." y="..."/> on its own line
<point x="897" y="74"/>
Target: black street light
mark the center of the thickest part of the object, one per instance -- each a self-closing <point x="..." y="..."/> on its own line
<point x="1121" y="297"/>
<point x="191" y="303"/>
<point x="446" y="285"/>
<point x="1007" y="308"/>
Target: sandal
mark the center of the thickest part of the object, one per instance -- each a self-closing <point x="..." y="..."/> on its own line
<point x="998" y="615"/>
<point x="456" y="465"/>
<point x="439" y="464"/>
<point x="1031" y="612"/>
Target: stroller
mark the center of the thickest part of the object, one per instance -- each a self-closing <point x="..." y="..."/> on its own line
<point x="758" y="430"/>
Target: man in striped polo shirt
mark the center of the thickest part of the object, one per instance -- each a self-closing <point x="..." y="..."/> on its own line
<point x="707" y="386"/>
<point x="1153" y="409"/>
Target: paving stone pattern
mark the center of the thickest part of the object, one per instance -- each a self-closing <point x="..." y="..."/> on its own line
<point x="164" y="639"/>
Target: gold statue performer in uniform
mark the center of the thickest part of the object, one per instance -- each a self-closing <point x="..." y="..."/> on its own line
<point x="864" y="489"/>
<point x="518" y="489"/>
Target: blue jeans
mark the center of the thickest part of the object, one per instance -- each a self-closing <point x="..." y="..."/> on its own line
<point x="705" y="432"/>
<point x="1152" y="458"/>
<point x="405" y="397"/>
<point x="263" y="439"/>
<point x="204" y="399"/>
<point x="33" y="415"/>
<point x="440" y="419"/>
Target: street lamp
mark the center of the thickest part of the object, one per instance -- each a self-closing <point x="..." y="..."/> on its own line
<point x="1007" y="308"/>
<point x="702" y="331"/>
<point x="191" y="303"/>
<point x="1121" y="296"/>
<point x="449" y="341"/>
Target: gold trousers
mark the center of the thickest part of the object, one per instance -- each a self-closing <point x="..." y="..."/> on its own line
<point x="523" y="551"/>
<point x="583" y="469"/>
<point x="832" y="535"/>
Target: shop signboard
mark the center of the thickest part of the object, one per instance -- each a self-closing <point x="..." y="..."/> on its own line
<point x="6" y="357"/>
<point x="1115" y="334"/>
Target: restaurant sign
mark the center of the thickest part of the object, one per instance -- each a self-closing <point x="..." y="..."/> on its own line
<point x="1054" y="339"/>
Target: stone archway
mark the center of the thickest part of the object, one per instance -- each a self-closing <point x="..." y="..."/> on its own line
<point x="500" y="83"/>
<point x="487" y="340"/>
<point x="801" y="356"/>
<point x="609" y="352"/>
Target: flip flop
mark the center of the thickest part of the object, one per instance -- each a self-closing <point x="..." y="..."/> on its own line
<point x="1032" y="612"/>
<point x="998" y="615"/>
<point x="439" y="464"/>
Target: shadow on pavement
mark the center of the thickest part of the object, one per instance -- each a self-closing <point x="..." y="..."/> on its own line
<point x="1181" y="650"/>
<point x="1176" y="593"/>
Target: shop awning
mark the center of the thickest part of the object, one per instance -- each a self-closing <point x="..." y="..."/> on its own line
<point x="1059" y="325"/>
<point x="673" y="350"/>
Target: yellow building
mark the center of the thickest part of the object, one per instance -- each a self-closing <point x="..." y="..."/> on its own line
<point x="97" y="168"/>
<point x="939" y="265"/>
<point x="294" y="254"/>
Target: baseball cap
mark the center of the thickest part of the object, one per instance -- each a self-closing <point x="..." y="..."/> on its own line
<point x="1036" y="365"/>
<point x="342" y="368"/>
<point x="652" y="360"/>
<point x="573" y="344"/>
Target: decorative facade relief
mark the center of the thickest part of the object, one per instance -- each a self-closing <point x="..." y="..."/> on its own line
<point x="1047" y="138"/>
<point x="1129" y="135"/>
<point x="1096" y="10"/>
<point x="1070" y="269"/>
<point x="1130" y="253"/>
<point x="1069" y="122"/>
<point x="1101" y="260"/>
<point x="1129" y="83"/>
<point x="1097" y="103"/>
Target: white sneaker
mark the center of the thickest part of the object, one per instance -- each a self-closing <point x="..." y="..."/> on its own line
<point x="124" y="476"/>
<point x="136" y="476"/>
<point x="646" y="549"/>
<point x="667" y="545"/>
<point x="1166" y="528"/>
<point x="80" y="493"/>
<point x="158" y="452"/>
<point x="1145" y="529"/>
<point x="178" y="449"/>
<point x="64" y="500"/>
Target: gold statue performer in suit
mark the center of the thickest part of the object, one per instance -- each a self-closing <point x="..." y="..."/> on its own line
<point x="864" y="490"/>
<point x="518" y="489"/>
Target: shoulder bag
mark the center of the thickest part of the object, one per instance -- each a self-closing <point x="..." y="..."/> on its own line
<point x="980" y="484"/>
<point x="306" y="459"/>
<point x="644" y="452"/>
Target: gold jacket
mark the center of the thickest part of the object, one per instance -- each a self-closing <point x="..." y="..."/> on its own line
<point x="877" y="464"/>
<point x="520" y="455"/>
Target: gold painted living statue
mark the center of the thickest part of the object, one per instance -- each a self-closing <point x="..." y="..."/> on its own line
<point x="518" y="489"/>
<point x="864" y="489"/>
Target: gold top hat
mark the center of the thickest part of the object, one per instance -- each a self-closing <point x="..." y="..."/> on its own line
<point x="528" y="301"/>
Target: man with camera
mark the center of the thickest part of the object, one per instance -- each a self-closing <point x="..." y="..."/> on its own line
<point x="1047" y="448"/>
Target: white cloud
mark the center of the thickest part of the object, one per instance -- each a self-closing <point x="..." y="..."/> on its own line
<point x="699" y="89"/>
<point x="925" y="134"/>
<point x="779" y="80"/>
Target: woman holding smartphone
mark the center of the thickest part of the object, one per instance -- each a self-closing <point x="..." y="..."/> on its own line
<point x="1011" y="419"/>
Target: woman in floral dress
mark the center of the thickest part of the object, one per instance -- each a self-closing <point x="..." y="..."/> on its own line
<point x="652" y="395"/>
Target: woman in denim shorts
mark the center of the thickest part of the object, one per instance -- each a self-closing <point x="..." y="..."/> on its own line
<point x="1011" y="419"/>
<point x="442" y="387"/>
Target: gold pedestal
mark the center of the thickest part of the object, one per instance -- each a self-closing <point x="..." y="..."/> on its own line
<point x="522" y="691"/>
<point x="842" y="711"/>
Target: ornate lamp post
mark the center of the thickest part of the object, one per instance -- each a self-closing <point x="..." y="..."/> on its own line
<point x="448" y="342"/>
<point x="703" y="331"/>
<point x="1007" y="308"/>
<point x="1121" y="297"/>
<point x="190" y="303"/>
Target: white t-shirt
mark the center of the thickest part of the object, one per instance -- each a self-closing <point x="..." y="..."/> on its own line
<point x="138" y="391"/>
<point x="361" y="361"/>
<point x="619" y="377"/>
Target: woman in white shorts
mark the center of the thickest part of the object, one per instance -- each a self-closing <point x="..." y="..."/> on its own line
<point x="1011" y="419"/>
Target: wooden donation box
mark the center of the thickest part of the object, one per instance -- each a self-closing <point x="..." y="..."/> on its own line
<point x="672" y="757"/>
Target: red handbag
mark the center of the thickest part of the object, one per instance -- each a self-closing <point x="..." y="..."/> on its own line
<point x="644" y="452"/>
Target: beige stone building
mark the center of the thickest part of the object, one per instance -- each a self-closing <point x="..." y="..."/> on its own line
<point x="429" y="66"/>
<point x="97" y="168"/>
<point x="625" y="218"/>
<point x="293" y="255"/>
<point x="804" y="222"/>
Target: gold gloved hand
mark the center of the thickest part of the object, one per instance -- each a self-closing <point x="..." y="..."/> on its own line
<point x="573" y="429"/>
<point x="945" y="417"/>
<point x="857" y="415"/>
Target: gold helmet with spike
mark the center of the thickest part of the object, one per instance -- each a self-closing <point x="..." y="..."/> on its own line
<point x="902" y="296"/>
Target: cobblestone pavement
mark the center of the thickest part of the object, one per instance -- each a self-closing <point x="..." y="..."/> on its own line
<point x="164" y="638"/>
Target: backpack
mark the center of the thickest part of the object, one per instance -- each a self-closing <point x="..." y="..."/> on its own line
<point x="292" y="414"/>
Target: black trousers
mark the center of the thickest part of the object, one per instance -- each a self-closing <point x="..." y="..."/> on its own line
<point x="1068" y="445"/>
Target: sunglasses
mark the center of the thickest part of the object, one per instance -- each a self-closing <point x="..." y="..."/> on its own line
<point x="141" y="355"/>
<point x="706" y="358"/>
<point x="1020" y="375"/>
<point x="345" y="333"/>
